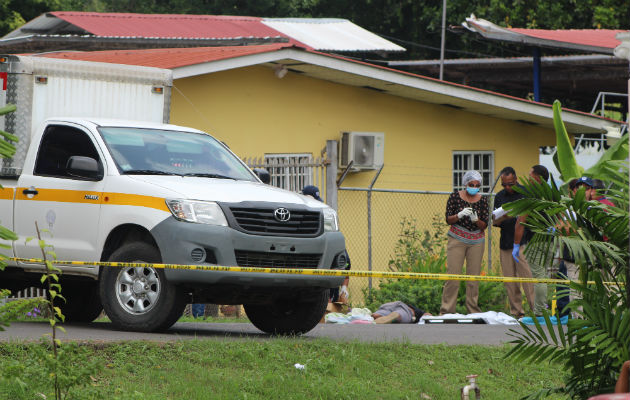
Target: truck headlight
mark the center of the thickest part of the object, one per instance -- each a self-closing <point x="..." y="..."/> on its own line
<point x="201" y="212"/>
<point x="331" y="222"/>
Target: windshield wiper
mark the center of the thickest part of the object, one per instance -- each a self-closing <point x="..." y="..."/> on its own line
<point x="148" y="172"/>
<point x="204" y="175"/>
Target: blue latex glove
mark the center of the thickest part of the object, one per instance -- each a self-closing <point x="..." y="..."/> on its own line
<point x="515" y="251"/>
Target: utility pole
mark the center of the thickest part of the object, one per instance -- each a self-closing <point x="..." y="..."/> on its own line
<point x="443" y="40"/>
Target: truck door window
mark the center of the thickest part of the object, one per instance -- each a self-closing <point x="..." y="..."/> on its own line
<point x="59" y="143"/>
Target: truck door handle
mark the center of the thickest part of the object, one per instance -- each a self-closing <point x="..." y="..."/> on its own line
<point x="30" y="191"/>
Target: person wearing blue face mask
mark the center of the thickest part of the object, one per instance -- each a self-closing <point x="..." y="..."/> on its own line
<point x="467" y="213"/>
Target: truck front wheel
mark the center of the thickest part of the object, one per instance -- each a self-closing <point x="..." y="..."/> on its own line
<point x="290" y="316"/>
<point x="139" y="298"/>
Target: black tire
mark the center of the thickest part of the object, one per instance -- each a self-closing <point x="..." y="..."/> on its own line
<point x="83" y="303"/>
<point x="292" y="316"/>
<point x="139" y="299"/>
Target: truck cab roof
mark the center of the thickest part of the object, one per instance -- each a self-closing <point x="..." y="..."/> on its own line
<point x="96" y="122"/>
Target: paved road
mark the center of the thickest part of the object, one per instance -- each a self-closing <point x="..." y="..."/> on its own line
<point x="427" y="334"/>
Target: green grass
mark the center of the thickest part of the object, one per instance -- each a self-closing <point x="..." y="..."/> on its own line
<point x="264" y="369"/>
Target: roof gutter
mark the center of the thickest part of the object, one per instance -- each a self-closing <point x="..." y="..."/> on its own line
<point x="441" y="91"/>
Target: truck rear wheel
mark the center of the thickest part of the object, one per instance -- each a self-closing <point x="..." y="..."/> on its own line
<point x="82" y="304"/>
<point x="139" y="298"/>
<point x="288" y="316"/>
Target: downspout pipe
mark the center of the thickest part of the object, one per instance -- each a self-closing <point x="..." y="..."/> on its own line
<point x="369" y="222"/>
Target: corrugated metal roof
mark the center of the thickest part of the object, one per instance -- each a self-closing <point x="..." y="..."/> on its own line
<point x="576" y="59"/>
<point x="331" y="34"/>
<point x="587" y="37"/>
<point x="586" y="40"/>
<point x="167" y="58"/>
<point x="325" y="34"/>
<point x="167" y="25"/>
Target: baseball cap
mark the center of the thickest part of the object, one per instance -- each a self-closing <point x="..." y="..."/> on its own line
<point x="584" y="180"/>
<point x="312" y="191"/>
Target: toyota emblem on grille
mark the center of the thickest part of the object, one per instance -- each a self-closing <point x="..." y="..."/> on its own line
<point x="282" y="214"/>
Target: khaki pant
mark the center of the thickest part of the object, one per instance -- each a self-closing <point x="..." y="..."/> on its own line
<point x="573" y="274"/>
<point x="520" y="270"/>
<point x="540" y="261"/>
<point x="456" y="252"/>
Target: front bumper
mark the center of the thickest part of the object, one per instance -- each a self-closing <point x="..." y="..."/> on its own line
<point x="177" y="240"/>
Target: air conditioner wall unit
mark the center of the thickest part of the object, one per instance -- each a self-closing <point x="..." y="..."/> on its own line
<point x="366" y="149"/>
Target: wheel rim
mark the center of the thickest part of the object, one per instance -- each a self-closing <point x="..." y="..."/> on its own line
<point x="138" y="289"/>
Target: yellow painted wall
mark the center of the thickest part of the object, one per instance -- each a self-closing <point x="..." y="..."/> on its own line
<point x="256" y="113"/>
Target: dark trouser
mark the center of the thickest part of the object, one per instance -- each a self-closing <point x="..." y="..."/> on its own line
<point x="198" y="310"/>
<point x="562" y="291"/>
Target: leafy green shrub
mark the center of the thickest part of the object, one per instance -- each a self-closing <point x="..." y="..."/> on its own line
<point x="425" y="252"/>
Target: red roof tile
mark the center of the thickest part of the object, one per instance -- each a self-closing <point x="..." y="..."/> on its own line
<point x="588" y="37"/>
<point x="167" y="58"/>
<point x="168" y="25"/>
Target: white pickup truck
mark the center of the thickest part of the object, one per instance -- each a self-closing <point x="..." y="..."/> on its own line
<point x="116" y="190"/>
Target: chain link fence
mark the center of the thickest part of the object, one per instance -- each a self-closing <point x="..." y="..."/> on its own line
<point x="372" y="220"/>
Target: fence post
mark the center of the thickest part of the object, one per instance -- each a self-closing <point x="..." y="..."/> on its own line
<point x="331" y="173"/>
<point x="369" y="215"/>
<point x="489" y="222"/>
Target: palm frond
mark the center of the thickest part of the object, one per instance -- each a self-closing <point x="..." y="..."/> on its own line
<point x="538" y="345"/>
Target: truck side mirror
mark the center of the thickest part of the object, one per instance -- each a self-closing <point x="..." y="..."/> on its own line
<point x="263" y="175"/>
<point x="84" y="167"/>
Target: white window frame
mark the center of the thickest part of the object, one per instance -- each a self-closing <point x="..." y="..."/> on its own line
<point x="287" y="172"/>
<point x="468" y="160"/>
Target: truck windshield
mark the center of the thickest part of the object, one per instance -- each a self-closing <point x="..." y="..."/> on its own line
<point x="162" y="152"/>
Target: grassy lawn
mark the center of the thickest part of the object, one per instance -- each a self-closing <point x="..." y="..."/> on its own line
<point x="254" y="369"/>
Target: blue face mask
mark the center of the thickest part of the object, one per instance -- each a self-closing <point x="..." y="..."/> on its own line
<point x="472" y="190"/>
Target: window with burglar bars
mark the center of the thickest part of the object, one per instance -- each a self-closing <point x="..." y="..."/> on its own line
<point x="482" y="161"/>
<point x="288" y="171"/>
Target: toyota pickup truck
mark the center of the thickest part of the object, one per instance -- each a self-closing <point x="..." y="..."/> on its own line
<point x="106" y="189"/>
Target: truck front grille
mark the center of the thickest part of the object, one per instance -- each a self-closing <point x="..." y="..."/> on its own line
<point x="262" y="221"/>
<point x="276" y="260"/>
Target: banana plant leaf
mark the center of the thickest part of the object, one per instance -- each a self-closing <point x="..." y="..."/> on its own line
<point x="565" y="157"/>
<point x="618" y="151"/>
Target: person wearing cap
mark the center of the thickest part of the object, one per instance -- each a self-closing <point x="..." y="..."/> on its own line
<point x="538" y="260"/>
<point x="509" y="266"/>
<point x="312" y="191"/>
<point x="398" y="312"/>
<point x="340" y="294"/>
<point x="598" y="193"/>
<point x="467" y="214"/>
<point x="572" y="270"/>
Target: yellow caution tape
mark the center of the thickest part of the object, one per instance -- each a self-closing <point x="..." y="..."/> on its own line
<point x="314" y="272"/>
